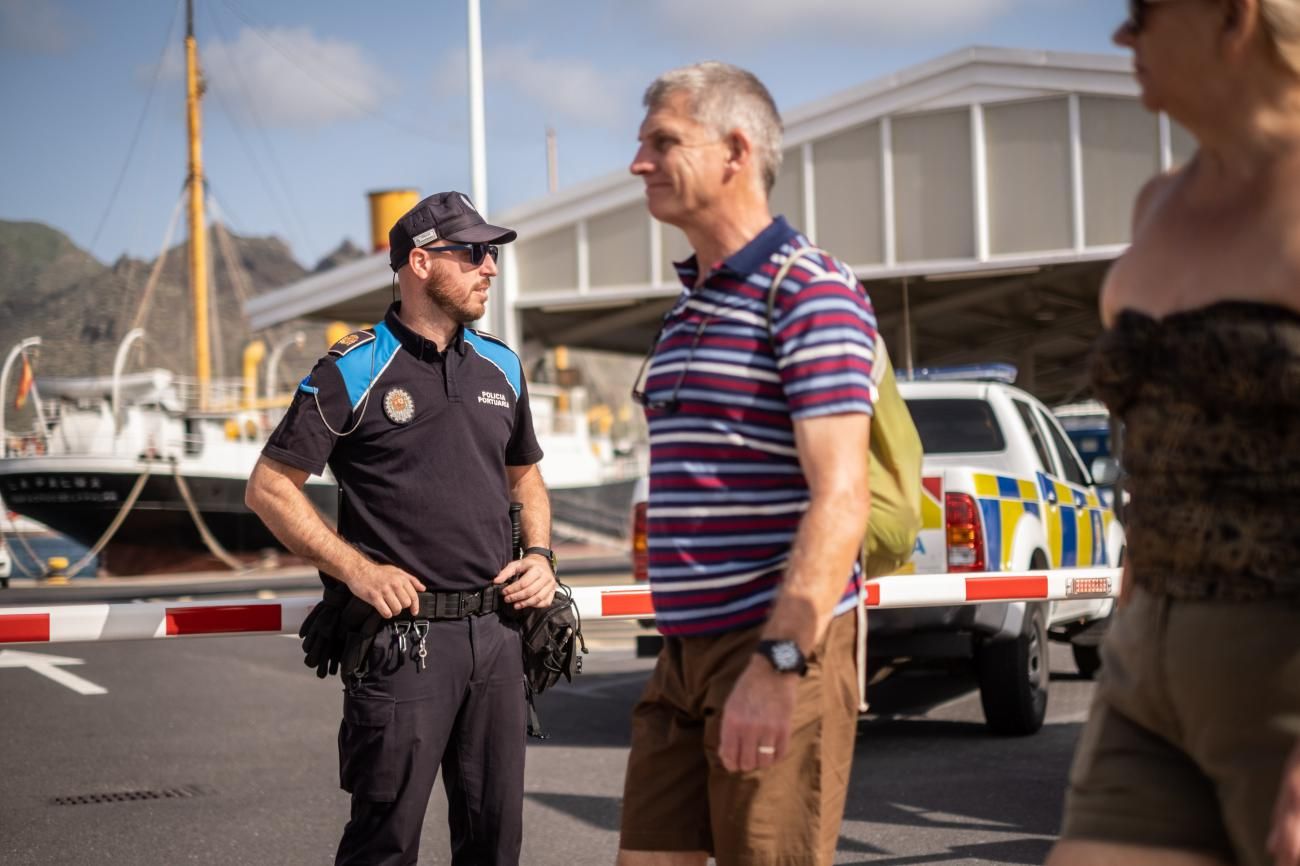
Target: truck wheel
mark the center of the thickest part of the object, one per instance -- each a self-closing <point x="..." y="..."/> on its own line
<point x="1013" y="678"/>
<point x="1087" y="659"/>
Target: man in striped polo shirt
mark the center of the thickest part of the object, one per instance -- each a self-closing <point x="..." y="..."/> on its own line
<point x="743" y="740"/>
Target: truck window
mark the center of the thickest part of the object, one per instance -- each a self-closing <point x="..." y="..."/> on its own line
<point x="1040" y="446"/>
<point x="956" y="426"/>
<point x="1069" y="461"/>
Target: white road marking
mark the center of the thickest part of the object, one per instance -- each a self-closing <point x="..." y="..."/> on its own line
<point x="47" y="666"/>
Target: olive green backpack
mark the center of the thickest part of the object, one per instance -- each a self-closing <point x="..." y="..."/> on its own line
<point x="895" y="452"/>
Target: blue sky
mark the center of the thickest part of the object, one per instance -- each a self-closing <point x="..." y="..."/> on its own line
<point x="312" y="103"/>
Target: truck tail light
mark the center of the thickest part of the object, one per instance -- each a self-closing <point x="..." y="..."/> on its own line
<point x="965" y="535"/>
<point x="640" y="544"/>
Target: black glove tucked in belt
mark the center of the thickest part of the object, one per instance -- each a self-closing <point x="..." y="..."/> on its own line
<point x="338" y="633"/>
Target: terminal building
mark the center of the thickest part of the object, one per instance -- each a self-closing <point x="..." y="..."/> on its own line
<point x="979" y="197"/>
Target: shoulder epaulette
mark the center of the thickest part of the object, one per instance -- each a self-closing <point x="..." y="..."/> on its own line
<point x="351" y="341"/>
<point x="360" y="370"/>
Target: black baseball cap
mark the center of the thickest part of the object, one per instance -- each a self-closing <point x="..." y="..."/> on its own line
<point x="442" y="216"/>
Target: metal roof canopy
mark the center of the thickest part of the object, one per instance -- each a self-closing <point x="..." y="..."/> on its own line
<point x="1037" y="310"/>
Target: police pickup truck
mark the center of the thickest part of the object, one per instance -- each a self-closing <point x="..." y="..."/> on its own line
<point x="1004" y="490"/>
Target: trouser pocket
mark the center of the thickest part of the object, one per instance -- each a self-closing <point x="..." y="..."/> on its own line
<point x="368" y="752"/>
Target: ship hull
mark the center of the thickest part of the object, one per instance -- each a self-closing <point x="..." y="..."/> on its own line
<point x="158" y="533"/>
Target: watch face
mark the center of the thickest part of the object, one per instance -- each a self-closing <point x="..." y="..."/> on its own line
<point x="785" y="656"/>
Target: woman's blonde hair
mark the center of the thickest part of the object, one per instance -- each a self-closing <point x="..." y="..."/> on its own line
<point x="1282" y="20"/>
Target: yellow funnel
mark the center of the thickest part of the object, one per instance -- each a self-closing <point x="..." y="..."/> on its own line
<point x="386" y="205"/>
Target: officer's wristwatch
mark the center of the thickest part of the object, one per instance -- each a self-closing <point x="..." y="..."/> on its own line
<point x="548" y="553"/>
<point x="784" y="656"/>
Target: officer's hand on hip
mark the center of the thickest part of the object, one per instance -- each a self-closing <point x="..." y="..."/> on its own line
<point x="531" y="583"/>
<point x="757" y="718"/>
<point x="387" y="588"/>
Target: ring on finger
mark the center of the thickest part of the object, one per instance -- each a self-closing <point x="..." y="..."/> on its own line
<point x="767" y="750"/>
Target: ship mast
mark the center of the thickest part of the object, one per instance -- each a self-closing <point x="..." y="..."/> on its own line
<point x="198" y="231"/>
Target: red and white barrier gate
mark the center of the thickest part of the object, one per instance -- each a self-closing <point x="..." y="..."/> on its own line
<point x="142" y="621"/>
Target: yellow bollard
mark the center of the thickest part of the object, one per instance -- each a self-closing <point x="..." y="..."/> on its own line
<point x="54" y="568"/>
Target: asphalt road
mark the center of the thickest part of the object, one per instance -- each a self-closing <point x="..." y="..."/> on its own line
<point x="236" y="740"/>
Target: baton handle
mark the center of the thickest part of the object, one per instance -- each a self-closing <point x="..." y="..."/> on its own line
<point x="516" y="534"/>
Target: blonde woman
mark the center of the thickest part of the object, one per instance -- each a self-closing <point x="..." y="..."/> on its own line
<point x="1186" y="756"/>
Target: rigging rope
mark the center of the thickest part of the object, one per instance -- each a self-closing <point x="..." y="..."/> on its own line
<point x="139" y="126"/>
<point x="114" y="526"/>
<point x="142" y="310"/>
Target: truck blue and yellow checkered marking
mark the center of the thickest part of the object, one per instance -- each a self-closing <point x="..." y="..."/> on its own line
<point x="1075" y="520"/>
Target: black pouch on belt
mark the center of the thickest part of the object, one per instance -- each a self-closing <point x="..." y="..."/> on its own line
<point x="552" y="638"/>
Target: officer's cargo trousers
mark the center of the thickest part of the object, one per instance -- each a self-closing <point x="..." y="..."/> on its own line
<point x="465" y="711"/>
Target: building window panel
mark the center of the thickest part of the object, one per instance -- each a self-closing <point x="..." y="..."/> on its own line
<point x="933" y="186"/>
<point x="618" y="247"/>
<point x="549" y="262"/>
<point x="846" y="182"/>
<point x="1121" y="150"/>
<point x="1027" y="147"/>
<point x="786" y="198"/>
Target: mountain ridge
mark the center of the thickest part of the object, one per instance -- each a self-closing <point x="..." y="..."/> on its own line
<point x="81" y="308"/>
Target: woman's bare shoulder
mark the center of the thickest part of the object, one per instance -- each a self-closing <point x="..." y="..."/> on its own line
<point x="1153" y="192"/>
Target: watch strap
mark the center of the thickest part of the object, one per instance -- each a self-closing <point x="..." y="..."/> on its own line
<point x="546" y="552"/>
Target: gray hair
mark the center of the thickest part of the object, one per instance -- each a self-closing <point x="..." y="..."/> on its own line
<point x="1282" y="20"/>
<point x="726" y="97"/>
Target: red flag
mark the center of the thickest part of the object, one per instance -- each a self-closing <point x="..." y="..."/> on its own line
<point x="24" y="384"/>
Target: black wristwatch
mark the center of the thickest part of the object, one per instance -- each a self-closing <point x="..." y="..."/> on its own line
<point x="548" y="553"/>
<point x="784" y="656"/>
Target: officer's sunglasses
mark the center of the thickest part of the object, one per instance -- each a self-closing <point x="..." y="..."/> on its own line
<point x="477" y="252"/>
<point x="672" y="404"/>
<point x="1137" y="14"/>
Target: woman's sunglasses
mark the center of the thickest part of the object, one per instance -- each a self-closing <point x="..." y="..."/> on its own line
<point x="477" y="252"/>
<point x="1137" y="14"/>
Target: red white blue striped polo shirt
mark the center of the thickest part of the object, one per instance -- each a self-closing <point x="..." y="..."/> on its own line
<point x="726" y="489"/>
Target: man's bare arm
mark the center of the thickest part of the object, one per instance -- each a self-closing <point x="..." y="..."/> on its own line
<point x="833" y="455"/>
<point x="275" y="494"/>
<point x="758" y="716"/>
<point x="532" y="583"/>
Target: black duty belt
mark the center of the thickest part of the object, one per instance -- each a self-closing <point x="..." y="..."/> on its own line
<point x="456" y="605"/>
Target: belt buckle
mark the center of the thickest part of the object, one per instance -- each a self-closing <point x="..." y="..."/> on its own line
<point x="470" y="602"/>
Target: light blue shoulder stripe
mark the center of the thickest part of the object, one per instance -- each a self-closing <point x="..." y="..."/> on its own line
<point x="361" y="369"/>
<point x="499" y="355"/>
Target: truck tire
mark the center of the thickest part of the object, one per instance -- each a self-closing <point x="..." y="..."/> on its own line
<point x="1013" y="678"/>
<point x="1087" y="659"/>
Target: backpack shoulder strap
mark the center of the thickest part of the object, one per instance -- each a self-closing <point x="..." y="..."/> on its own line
<point x="779" y="278"/>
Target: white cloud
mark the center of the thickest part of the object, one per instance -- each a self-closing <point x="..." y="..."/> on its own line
<point x="565" y="88"/>
<point x="36" y="27"/>
<point x="769" y="21"/>
<point x="288" y="77"/>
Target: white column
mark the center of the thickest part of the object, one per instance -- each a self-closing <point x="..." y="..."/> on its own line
<point x="887" y="191"/>
<point x="809" y="226"/>
<point x="979" y="166"/>
<point x="1077" y="212"/>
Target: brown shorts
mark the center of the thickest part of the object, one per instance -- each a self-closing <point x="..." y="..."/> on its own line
<point x="1186" y="741"/>
<point x="677" y="795"/>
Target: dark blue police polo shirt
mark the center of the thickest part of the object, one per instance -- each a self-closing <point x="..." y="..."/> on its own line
<point x="419" y="441"/>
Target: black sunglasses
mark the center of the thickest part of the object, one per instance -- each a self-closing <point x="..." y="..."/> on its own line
<point x="672" y="404"/>
<point x="477" y="252"/>
<point x="1137" y="14"/>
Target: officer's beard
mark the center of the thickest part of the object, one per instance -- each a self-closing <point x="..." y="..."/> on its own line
<point x="465" y="310"/>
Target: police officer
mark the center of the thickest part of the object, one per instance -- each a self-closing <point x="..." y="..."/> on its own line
<point x="425" y="423"/>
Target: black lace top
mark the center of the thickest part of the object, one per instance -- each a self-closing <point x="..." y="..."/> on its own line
<point x="1210" y="401"/>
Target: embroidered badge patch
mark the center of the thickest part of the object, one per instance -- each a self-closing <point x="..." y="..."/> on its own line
<point x="398" y="405"/>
